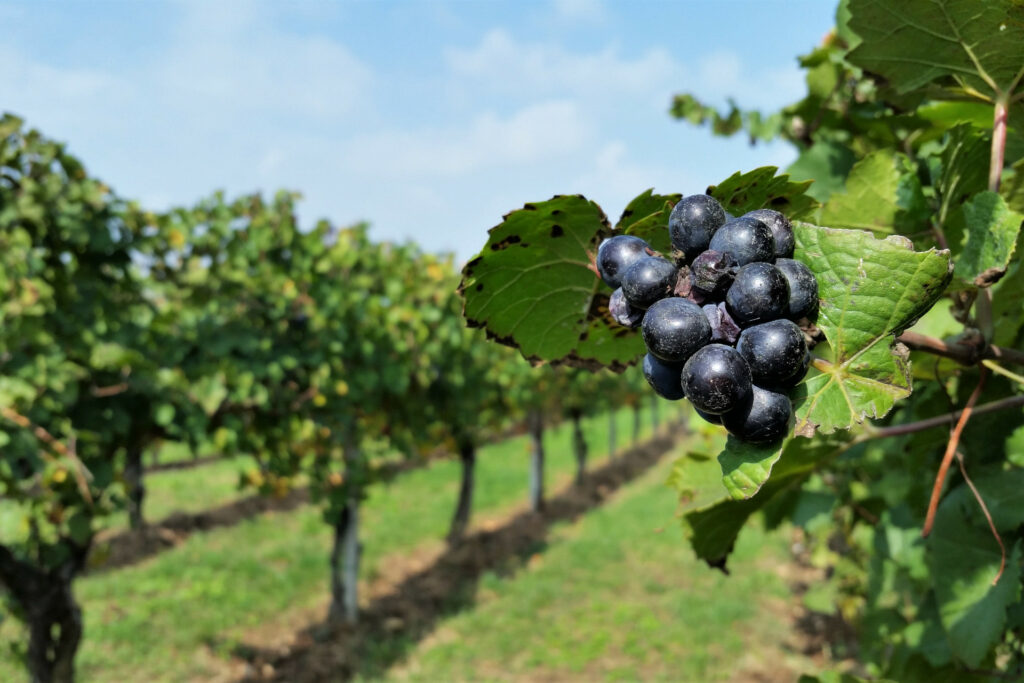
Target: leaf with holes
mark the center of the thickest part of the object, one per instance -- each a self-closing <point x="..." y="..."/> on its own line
<point x="763" y="189"/>
<point x="870" y="290"/>
<point x="534" y="287"/>
<point x="915" y="42"/>
<point x="647" y="218"/>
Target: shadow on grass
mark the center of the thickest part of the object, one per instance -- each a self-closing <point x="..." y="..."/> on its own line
<point x="129" y="547"/>
<point x="393" y="623"/>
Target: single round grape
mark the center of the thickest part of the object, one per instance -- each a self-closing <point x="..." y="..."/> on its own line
<point x="713" y="271"/>
<point x="693" y="221"/>
<point x="803" y="288"/>
<point x="674" y="328"/>
<point x="664" y="378"/>
<point x="746" y="239"/>
<point x="762" y="418"/>
<point x="648" y="280"/>
<point x="716" y="379"/>
<point x="775" y="351"/>
<point x="724" y="329"/>
<point x="758" y="294"/>
<point x="782" y="230"/>
<point x="622" y="312"/>
<point x="616" y="254"/>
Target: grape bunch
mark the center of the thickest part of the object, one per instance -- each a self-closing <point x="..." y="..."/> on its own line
<point x="720" y="319"/>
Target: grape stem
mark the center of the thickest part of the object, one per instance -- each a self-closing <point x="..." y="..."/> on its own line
<point x="947" y="458"/>
<point x="965" y="354"/>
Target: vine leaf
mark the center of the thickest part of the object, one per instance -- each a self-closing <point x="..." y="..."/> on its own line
<point x="713" y="520"/>
<point x="883" y="195"/>
<point x="914" y="42"/>
<point x="870" y="290"/>
<point x="964" y="558"/>
<point x="762" y="188"/>
<point x="989" y="239"/>
<point x="647" y="218"/>
<point x="533" y="287"/>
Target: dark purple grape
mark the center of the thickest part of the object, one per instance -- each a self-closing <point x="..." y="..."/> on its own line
<point x="713" y="271"/>
<point x="616" y="254"/>
<point x="803" y="288"/>
<point x="724" y="329"/>
<point x="758" y="294"/>
<point x="648" y="280"/>
<point x="622" y="312"/>
<point x="746" y="239"/>
<point x="716" y="379"/>
<point x="763" y="417"/>
<point x="693" y="221"/>
<point x="775" y="351"/>
<point x="713" y="419"/>
<point x="664" y="378"/>
<point x="674" y="328"/>
<point x="782" y="230"/>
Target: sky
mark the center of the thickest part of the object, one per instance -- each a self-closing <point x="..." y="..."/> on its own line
<point x="429" y="120"/>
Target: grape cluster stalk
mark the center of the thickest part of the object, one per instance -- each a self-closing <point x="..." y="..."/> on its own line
<point x="721" y="317"/>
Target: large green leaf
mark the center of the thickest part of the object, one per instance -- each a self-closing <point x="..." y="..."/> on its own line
<point x="964" y="171"/>
<point x="990" y="231"/>
<point x="914" y="42"/>
<point x="882" y="194"/>
<point x="713" y="521"/>
<point x="763" y="189"/>
<point x="533" y="286"/>
<point x="964" y="559"/>
<point x="870" y="291"/>
<point x="825" y="162"/>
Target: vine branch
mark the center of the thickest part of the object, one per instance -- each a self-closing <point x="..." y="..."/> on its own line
<point x="963" y="353"/>
<point x="947" y="458"/>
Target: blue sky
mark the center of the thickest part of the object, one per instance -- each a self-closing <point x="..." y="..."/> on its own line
<point x="428" y="119"/>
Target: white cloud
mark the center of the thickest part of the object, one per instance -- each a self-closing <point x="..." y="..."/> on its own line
<point x="230" y="57"/>
<point x="535" y="134"/>
<point x="501" y="63"/>
<point x="591" y="11"/>
<point x="722" y="75"/>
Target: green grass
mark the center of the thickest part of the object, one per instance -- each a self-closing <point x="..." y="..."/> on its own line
<point x="619" y="596"/>
<point x="153" y="621"/>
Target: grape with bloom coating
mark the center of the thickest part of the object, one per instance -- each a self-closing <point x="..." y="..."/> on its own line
<point x="674" y="329"/>
<point x="762" y="418"/>
<point x="803" y="288"/>
<point x="648" y="280"/>
<point x="775" y="351"/>
<point x="716" y="379"/>
<point x="664" y="378"/>
<point x="692" y="223"/>
<point x="618" y="253"/>
<point x="746" y="239"/>
<point x="758" y="294"/>
<point x="782" y="230"/>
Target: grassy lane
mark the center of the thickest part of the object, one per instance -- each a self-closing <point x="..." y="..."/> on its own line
<point x="618" y="595"/>
<point x="155" y="620"/>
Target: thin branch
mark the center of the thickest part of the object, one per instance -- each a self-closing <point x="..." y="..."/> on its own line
<point x="947" y="458"/>
<point x="998" y="157"/>
<point x="82" y="473"/>
<point x="1000" y="370"/>
<point x="984" y="509"/>
<point x="940" y="420"/>
<point x="114" y="390"/>
<point x="965" y="354"/>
